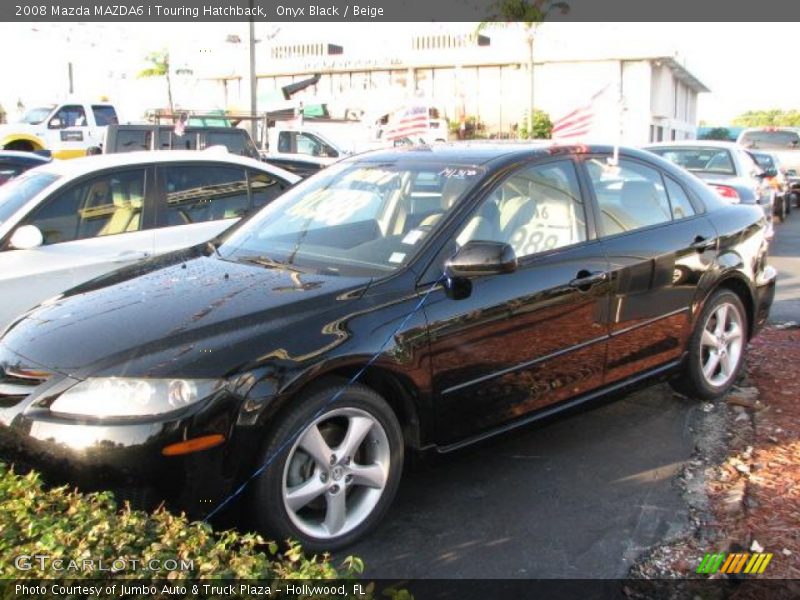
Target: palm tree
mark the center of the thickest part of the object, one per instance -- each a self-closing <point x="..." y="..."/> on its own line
<point x="529" y="14"/>
<point x="159" y="67"/>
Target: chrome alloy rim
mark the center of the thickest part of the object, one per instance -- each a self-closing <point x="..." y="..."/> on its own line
<point x="336" y="473"/>
<point x="721" y="344"/>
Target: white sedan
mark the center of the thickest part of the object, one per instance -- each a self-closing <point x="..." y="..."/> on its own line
<point x="67" y="222"/>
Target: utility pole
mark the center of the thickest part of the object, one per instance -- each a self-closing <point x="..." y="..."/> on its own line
<point x="252" y="74"/>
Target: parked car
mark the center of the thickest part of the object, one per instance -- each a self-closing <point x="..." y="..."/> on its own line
<point x="394" y="302"/>
<point x="65" y="130"/>
<point x="13" y="163"/>
<point x="784" y="142"/>
<point x="137" y="137"/>
<point x="777" y="177"/>
<point x="69" y="221"/>
<point x="726" y="167"/>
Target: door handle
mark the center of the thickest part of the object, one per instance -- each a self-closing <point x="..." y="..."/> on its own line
<point x="586" y="279"/>
<point x="130" y="255"/>
<point x="702" y="244"/>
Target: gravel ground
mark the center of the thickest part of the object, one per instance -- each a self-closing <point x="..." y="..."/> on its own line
<point x="742" y="482"/>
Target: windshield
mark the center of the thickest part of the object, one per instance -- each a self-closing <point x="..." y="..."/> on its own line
<point x="770" y="140"/>
<point x="354" y="219"/>
<point x="37" y="115"/>
<point x="699" y="160"/>
<point x="15" y="193"/>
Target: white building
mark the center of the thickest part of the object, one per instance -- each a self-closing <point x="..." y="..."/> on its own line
<point x="645" y="97"/>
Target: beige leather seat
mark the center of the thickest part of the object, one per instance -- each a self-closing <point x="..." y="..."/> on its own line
<point x="127" y="210"/>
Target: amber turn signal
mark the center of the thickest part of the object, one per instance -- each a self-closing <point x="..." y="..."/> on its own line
<point x="193" y="445"/>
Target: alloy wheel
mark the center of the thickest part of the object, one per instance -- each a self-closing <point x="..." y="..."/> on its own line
<point x="721" y="344"/>
<point x="336" y="473"/>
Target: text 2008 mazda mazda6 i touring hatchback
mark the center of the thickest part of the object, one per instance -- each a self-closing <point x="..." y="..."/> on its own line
<point x="399" y="300"/>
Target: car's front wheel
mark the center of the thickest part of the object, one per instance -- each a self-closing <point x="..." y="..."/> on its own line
<point x="716" y="348"/>
<point x="336" y="479"/>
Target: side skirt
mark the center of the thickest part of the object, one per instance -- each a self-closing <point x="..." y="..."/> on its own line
<point x="563" y="406"/>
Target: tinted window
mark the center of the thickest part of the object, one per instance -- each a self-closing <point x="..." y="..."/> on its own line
<point x="104" y="115"/>
<point x="133" y="140"/>
<point x="537" y="209"/>
<point x="105" y="205"/>
<point x="264" y="188"/>
<point x="236" y="142"/>
<point x="679" y="201"/>
<point x="15" y="194"/>
<point x="630" y="196"/>
<point x="710" y="160"/>
<point x="770" y="140"/>
<point x="199" y="193"/>
<point x="168" y="140"/>
<point x="71" y="116"/>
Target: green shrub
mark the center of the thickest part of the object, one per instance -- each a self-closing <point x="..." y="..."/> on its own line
<point x="67" y="524"/>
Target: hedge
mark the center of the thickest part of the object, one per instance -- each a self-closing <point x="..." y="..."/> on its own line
<point x="60" y="522"/>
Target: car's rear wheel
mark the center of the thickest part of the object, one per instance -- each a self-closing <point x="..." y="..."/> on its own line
<point x="716" y="348"/>
<point x="336" y="479"/>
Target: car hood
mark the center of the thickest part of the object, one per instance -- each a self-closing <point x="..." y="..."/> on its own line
<point x="202" y="317"/>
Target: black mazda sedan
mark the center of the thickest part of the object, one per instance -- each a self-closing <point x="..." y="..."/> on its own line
<point x="396" y="301"/>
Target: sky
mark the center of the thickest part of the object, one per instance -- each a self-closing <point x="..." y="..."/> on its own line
<point x="746" y="65"/>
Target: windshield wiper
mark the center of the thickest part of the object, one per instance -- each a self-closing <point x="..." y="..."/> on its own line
<point x="265" y="261"/>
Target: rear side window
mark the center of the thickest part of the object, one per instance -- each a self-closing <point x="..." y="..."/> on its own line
<point x="133" y="140"/>
<point x="237" y="142"/>
<point x="678" y="200"/>
<point x="108" y="204"/>
<point x="631" y="196"/>
<point x="201" y="193"/>
<point x="264" y="188"/>
<point x="104" y="115"/>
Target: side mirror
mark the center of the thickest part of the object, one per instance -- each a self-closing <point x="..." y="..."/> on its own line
<point x="772" y="172"/>
<point x="55" y="123"/>
<point x="480" y="257"/>
<point x="26" y="238"/>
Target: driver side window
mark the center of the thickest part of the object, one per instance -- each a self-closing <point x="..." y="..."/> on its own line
<point x="538" y="208"/>
<point x="70" y="116"/>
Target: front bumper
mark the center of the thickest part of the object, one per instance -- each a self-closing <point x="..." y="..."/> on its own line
<point x="124" y="457"/>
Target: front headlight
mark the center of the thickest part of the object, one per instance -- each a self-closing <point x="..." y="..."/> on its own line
<point x="123" y="397"/>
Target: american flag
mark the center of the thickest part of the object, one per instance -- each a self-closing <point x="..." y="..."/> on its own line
<point x="578" y="122"/>
<point x="407" y="122"/>
<point x="180" y="125"/>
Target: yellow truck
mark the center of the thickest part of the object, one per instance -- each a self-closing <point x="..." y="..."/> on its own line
<point x="67" y="130"/>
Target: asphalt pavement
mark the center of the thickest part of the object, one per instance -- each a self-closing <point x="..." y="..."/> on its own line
<point x="785" y="256"/>
<point x="580" y="497"/>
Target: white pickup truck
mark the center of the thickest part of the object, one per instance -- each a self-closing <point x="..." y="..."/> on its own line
<point x="67" y="130"/>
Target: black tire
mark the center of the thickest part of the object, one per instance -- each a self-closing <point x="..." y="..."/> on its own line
<point x="692" y="381"/>
<point x="267" y="495"/>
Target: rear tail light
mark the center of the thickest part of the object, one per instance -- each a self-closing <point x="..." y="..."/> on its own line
<point x="727" y="192"/>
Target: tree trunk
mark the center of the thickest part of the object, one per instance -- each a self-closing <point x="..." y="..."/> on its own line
<point x="169" y="92"/>
<point x="530" y="73"/>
